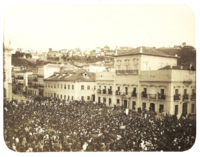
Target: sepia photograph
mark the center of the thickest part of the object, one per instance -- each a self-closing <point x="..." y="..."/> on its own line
<point x="99" y="78"/>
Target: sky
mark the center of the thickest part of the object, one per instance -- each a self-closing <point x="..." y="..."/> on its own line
<point x="40" y="27"/>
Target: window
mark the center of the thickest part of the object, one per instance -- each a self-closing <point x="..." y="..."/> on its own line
<point x="51" y="86"/>
<point x="110" y="102"/>
<point x="65" y="97"/>
<point x="144" y="105"/>
<point x="88" y="87"/>
<point x="176" y="91"/>
<point x="162" y="91"/>
<point x="185" y="91"/>
<point x="57" y="85"/>
<point x="192" y="108"/>
<point x="68" y="97"/>
<point x="88" y="98"/>
<point x="118" y="102"/>
<point x="104" y="100"/>
<point x="51" y="94"/>
<point x="72" y="98"/>
<point x="65" y="86"/>
<point x="48" y="94"/>
<point x="133" y="105"/>
<point x="193" y="91"/>
<point x="57" y="96"/>
<point x="72" y="87"/>
<point x="145" y="90"/>
<point x="45" y="85"/>
<point x="48" y="85"/>
<point x="61" y="96"/>
<point x="61" y="86"/>
<point x="118" y="88"/>
<point x="68" y="86"/>
<point x="94" y="87"/>
<point x="54" y="85"/>
<point x="82" y="97"/>
<point x="82" y="87"/>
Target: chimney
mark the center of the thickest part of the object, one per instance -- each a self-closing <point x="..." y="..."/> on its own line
<point x="116" y="51"/>
<point x="141" y="50"/>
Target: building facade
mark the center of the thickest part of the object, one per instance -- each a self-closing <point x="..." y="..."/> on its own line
<point x="140" y="82"/>
<point x="79" y="85"/>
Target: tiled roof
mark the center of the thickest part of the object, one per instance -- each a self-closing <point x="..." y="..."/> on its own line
<point x="73" y="76"/>
<point x="145" y="50"/>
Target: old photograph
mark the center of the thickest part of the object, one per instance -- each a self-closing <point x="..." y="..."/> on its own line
<point x="99" y="78"/>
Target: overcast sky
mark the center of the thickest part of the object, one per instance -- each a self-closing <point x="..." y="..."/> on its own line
<point x="88" y="26"/>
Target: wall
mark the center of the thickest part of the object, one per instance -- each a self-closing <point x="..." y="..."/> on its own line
<point x="154" y="62"/>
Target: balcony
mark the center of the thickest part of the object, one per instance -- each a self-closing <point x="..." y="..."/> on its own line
<point x="161" y="96"/>
<point x="193" y="97"/>
<point x="177" y="97"/>
<point x="41" y="76"/>
<point x="133" y="94"/>
<point x="117" y="93"/>
<point x="41" y="85"/>
<point x="109" y="92"/>
<point x="104" y="91"/>
<point x="152" y="96"/>
<point x="35" y="80"/>
<point x="99" y="91"/>
<point x="132" y="72"/>
<point x="144" y="95"/>
<point x="185" y="97"/>
<point x="19" y="78"/>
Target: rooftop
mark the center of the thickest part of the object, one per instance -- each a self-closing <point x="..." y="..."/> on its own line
<point x="145" y="50"/>
<point x="70" y="75"/>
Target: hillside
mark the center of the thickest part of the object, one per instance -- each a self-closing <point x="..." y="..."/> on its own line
<point x="186" y="55"/>
<point x="23" y="62"/>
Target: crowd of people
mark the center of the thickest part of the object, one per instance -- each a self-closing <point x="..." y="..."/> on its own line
<point x="88" y="126"/>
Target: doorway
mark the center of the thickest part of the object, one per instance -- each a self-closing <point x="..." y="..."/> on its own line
<point x="110" y="102"/>
<point x="184" y="108"/>
<point x="176" y="109"/>
<point x="125" y="103"/>
<point x="161" y="108"/>
<point x="152" y="106"/>
<point x="93" y="97"/>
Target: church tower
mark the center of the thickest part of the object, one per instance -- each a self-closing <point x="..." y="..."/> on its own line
<point x="7" y="71"/>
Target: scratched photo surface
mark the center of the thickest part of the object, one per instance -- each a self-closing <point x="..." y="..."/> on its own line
<point x="99" y="78"/>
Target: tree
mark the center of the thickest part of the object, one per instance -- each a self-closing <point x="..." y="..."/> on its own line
<point x="184" y="44"/>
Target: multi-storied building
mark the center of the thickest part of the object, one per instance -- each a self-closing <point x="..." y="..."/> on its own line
<point x="71" y="85"/>
<point x="140" y="81"/>
<point x="21" y="80"/>
<point x="36" y="81"/>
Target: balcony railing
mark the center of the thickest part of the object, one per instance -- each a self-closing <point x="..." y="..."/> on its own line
<point x="109" y="92"/>
<point x="19" y="78"/>
<point x="134" y="94"/>
<point x="117" y="93"/>
<point x="19" y="83"/>
<point x="185" y="97"/>
<point x="152" y="96"/>
<point x="193" y="97"/>
<point x="177" y="97"/>
<point x="41" y="76"/>
<point x="133" y="72"/>
<point x="161" y="96"/>
<point x="99" y="91"/>
<point x="144" y="95"/>
<point x="35" y="80"/>
<point x="40" y="85"/>
<point x="104" y="91"/>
